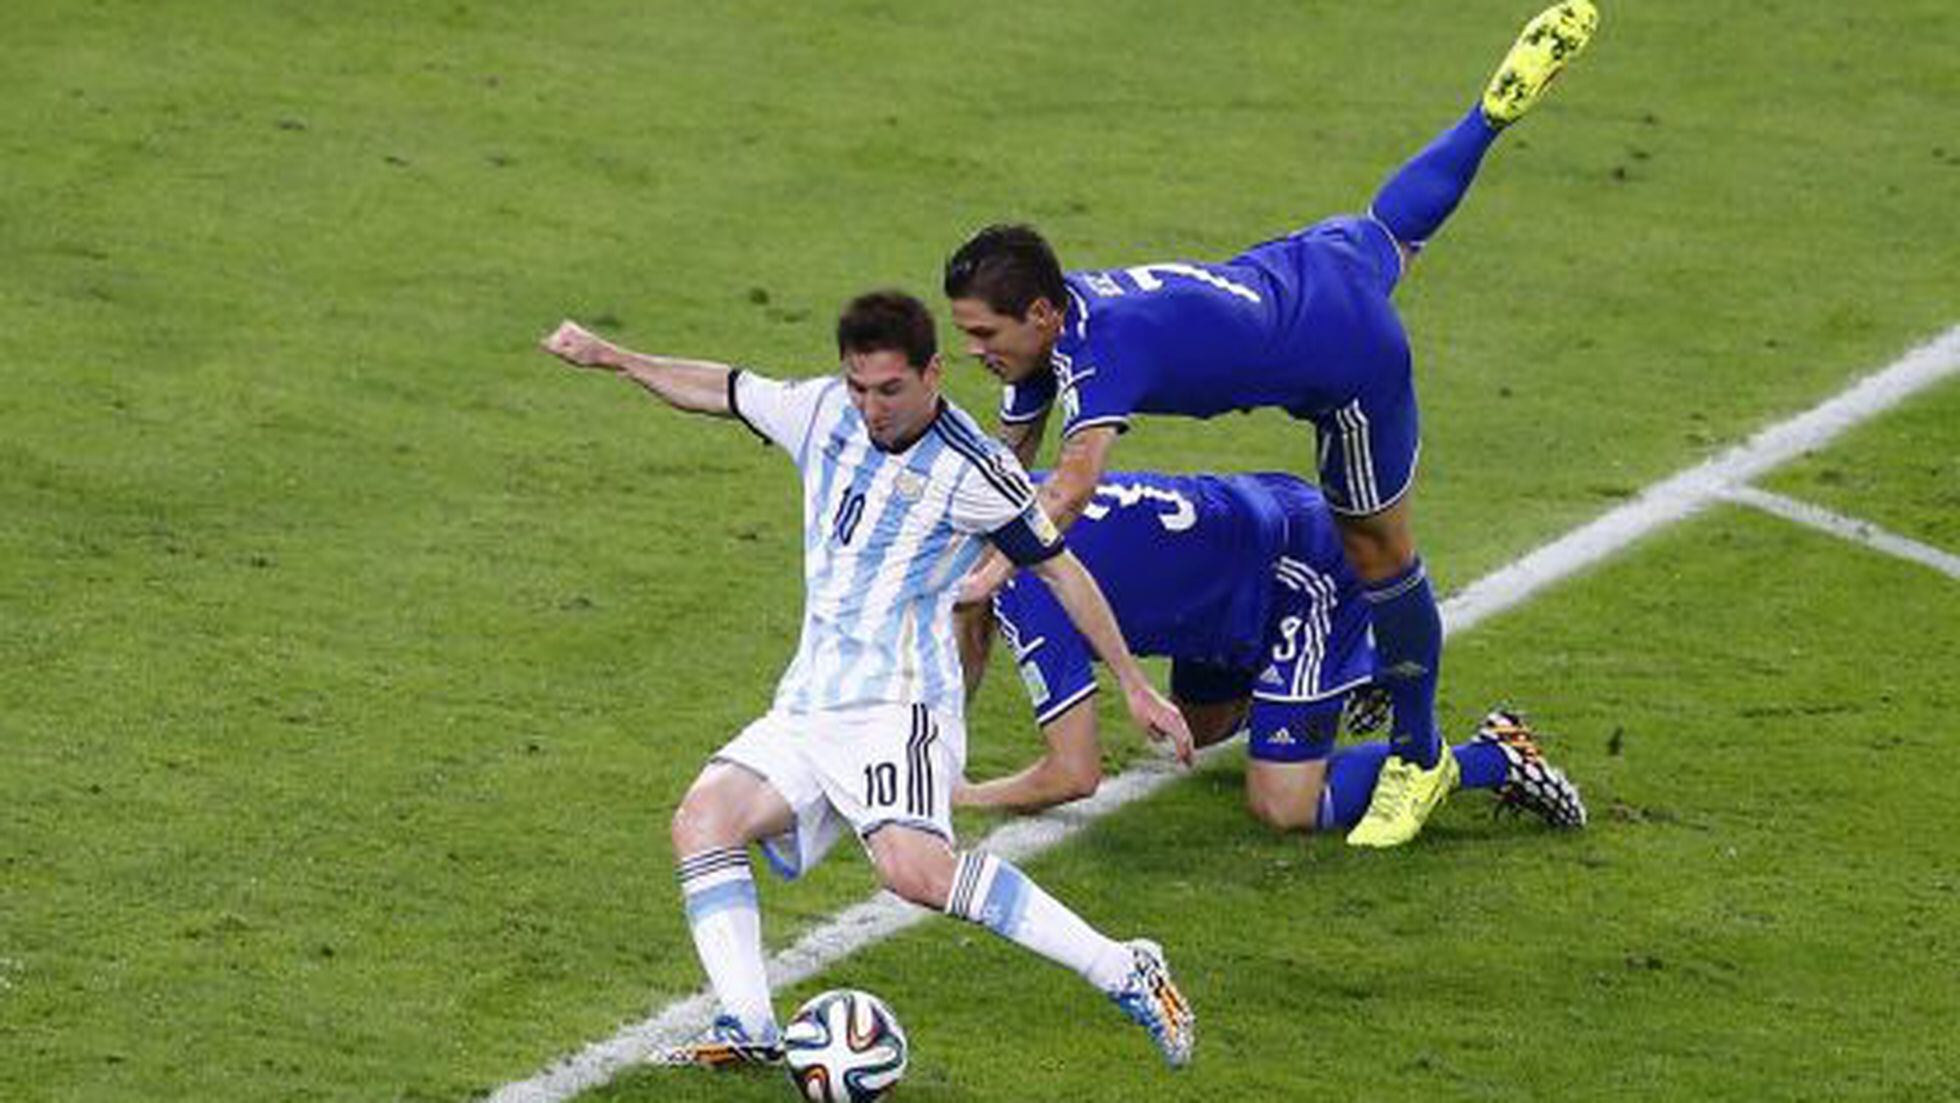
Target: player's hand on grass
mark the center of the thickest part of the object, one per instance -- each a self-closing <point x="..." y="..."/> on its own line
<point x="578" y="346"/>
<point x="1159" y="719"/>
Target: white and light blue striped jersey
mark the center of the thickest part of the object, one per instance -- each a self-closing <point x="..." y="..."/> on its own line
<point x="887" y="537"/>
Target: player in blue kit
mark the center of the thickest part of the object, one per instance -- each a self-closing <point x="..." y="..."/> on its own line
<point x="867" y="732"/>
<point x="1304" y="324"/>
<point x="1241" y="581"/>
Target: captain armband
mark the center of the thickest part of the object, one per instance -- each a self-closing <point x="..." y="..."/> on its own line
<point x="1029" y="538"/>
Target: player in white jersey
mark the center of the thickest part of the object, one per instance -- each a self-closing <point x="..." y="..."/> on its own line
<point x="900" y="489"/>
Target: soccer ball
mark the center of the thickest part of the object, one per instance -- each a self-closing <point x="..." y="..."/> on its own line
<point x="844" y="1046"/>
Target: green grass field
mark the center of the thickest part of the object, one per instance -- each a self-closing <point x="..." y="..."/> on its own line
<point x="355" y="654"/>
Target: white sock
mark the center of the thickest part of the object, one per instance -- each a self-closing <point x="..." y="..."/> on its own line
<point x="721" y="911"/>
<point x="993" y="893"/>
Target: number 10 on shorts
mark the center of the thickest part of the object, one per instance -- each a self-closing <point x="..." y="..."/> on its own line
<point x="880" y="785"/>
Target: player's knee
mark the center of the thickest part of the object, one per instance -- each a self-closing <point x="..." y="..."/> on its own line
<point x="1378" y="545"/>
<point x="700" y="823"/>
<point x="912" y="880"/>
<point x="1281" y="815"/>
<point x="1281" y="810"/>
<point x="914" y="866"/>
<point x="685" y="830"/>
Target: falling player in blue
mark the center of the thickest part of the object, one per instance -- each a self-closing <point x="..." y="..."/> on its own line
<point x="1239" y="580"/>
<point x="1303" y="323"/>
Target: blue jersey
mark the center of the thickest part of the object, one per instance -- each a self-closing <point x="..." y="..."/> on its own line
<point x="1237" y="573"/>
<point x="1184" y="561"/>
<point x="1303" y="324"/>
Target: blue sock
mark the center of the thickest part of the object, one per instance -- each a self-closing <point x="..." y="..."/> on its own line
<point x="1408" y="649"/>
<point x="1351" y="774"/>
<point x="1350" y="784"/>
<point x="1483" y="765"/>
<point x="1414" y="203"/>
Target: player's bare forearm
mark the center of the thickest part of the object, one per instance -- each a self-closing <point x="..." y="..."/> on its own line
<point x="1073" y="482"/>
<point x="980" y="583"/>
<point x="1023" y="438"/>
<point x="973" y="626"/>
<point x="1083" y="600"/>
<point x="1044" y="784"/>
<point x="1062" y="497"/>
<point x="1070" y="769"/>
<point x="696" y="386"/>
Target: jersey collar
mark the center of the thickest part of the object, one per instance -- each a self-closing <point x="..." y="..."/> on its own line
<point x="924" y="431"/>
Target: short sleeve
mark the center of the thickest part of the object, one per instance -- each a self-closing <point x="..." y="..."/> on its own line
<point x="992" y="489"/>
<point x="1027" y="400"/>
<point x="1054" y="660"/>
<point x="994" y="498"/>
<point x="1099" y="388"/>
<point x="780" y="413"/>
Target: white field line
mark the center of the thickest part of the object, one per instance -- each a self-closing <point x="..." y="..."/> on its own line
<point x="1849" y="528"/>
<point x="1661" y="505"/>
<point x="1687" y="493"/>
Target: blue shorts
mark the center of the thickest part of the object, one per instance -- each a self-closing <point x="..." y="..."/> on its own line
<point x="1317" y="642"/>
<point x="1366" y="418"/>
<point x="1276" y="731"/>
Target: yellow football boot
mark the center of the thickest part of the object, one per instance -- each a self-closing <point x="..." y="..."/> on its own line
<point x="1551" y="40"/>
<point x="1405" y="795"/>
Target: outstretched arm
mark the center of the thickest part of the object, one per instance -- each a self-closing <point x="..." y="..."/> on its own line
<point x="1084" y="458"/>
<point x="1070" y="769"/>
<point x="1024" y="437"/>
<point x="696" y="386"/>
<point x="1072" y="585"/>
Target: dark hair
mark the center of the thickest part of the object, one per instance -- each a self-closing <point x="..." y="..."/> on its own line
<point x="881" y="321"/>
<point x="1008" y="267"/>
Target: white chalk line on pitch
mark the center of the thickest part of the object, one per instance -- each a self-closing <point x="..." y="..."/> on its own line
<point x="1846" y="528"/>
<point x="1726" y="477"/>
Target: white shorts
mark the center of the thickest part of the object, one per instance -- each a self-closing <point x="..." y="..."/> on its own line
<point x="866" y="767"/>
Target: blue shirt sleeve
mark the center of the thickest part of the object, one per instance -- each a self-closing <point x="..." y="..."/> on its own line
<point x="1100" y="385"/>
<point x="1054" y="659"/>
<point x="1027" y="400"/>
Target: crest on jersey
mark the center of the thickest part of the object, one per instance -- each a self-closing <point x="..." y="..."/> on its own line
<point x="1037" y="685"/>
<point x="1043" y="528"/>
<point x="910" y="485"/>
<point x="1067" y="378"/>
